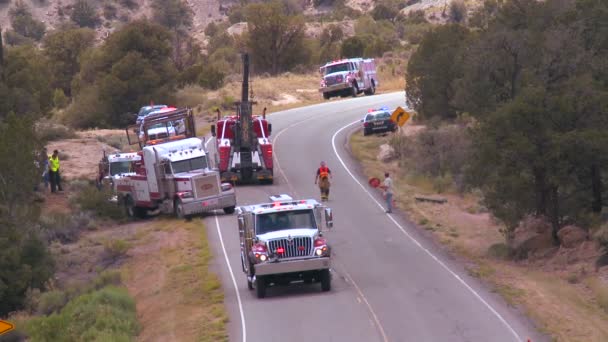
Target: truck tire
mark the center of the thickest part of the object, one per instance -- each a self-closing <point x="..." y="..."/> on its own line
<point x="371" y="90"/>
<point x="326" y="96"/>
<point x="260" y="287"/>
<point x="325" y="280"/>
<point x="178" y="209"/>
<point x="132" y="211"/>
<point x="229" y="210"/>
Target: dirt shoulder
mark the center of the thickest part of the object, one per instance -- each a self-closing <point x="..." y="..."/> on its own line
<point x="562" y="292"/>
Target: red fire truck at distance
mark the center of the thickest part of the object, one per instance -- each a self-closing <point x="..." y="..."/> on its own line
<point x="348" y="77"/>
<point x="174" y="174"/>
<point x="243" y="142"/>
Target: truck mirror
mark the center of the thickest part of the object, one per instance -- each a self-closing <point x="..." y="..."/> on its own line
<point x="269" y="129"/>
<point x="241" y="222"/>
<point x="329" y="219"/>
<point x="212" y="130"/>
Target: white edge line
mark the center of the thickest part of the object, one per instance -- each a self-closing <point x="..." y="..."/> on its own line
<point x="236" y="288"/>
<point x="477" y="295"/>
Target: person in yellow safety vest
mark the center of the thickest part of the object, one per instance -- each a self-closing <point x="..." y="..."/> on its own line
<point x="54" y="172"/>
<point x="322" y="178"/>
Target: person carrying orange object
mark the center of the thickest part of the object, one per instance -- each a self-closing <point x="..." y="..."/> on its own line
<point x="322" y="178"/>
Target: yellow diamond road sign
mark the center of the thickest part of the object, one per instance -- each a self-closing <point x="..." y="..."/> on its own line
<point x="5" y="327"/>
<point x="400" y="116"/>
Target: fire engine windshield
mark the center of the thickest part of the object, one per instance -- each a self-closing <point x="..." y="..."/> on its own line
<point x="117" y="168"/>
<point x="337" y="68"/>
<point x="266" y="223"/>
<point x="187" y="165"/>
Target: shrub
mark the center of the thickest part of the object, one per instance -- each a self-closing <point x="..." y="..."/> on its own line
<point x="108" y="277"/>
<point x="59" y="227"/>
<point x="51" y="302"/>
<point x="499" y="251"/>
<point x="601" y="235"/>
<point x="96" y="201"/>
<point x="47" y="131"/>
<point x="436" y="152"/>
<point x="458" y="11"/>
<point x="116" y="249"/>
<point x="104" y="315"/>
<point x="84" y="14"/>
<point x="59" y="99"/>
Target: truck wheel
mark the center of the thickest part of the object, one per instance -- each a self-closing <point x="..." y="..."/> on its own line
<point x="229" y="210"/>
<point x="130" y="207"/>
<point x="178" y="209"/>
<point x="371" y="90"/>
<point x="325" y="280"/>
<point x="326" y="96"/>
<point x="260" y="287"/>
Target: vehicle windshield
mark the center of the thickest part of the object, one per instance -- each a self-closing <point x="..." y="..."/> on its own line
<point x="378" y="116"/>
<point x="336" y="68"/>
<point x="187" y="165"/>
<point x="266" y="223"/>
<point x="117" y="168"/>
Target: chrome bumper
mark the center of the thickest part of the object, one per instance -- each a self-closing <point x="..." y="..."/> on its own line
<point x="198" y="206"/>
<point x="287" y="266"/>
<point x="334" y="87"/>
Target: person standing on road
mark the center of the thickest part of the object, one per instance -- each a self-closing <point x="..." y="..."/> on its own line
<point x="322" y="178"/>
<point x="54" y="176"/>
<point x="387" y="186"/>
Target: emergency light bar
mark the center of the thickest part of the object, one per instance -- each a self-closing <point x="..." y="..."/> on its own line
<point x="282" y="197"/>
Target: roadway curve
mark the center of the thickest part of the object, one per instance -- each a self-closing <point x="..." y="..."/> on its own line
<point x="389" y="282"/>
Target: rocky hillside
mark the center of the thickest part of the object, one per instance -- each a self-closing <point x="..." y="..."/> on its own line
<point x="113" y="13"/>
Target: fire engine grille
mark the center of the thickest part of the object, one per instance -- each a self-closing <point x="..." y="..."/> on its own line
<point x="331" y="80"/>
<point x="294" y="247"/>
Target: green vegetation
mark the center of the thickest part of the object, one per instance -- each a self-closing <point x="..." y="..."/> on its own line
<point x="529" y="83"/>
<point x="84" y="14"/>
<point x="26" y="29"/>
<point x="275" y="37"/>
<point x="107" y="314"/>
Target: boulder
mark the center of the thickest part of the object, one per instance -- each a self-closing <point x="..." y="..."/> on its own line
<point x="387" y="153"/>
<point x="571" y="236"/>
<point x="532" y="236"/>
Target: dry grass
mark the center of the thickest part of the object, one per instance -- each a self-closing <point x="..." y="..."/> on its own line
<point x="568" y="311"/>
<point x="177" y="296"/>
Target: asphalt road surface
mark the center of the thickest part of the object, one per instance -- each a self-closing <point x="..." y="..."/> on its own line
<point x="388" y="282"/>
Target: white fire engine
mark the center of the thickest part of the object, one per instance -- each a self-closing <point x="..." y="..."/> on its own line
<point x="174" y="174"/>
<point x="348" y="77"/>
<point x="282" y="242"/>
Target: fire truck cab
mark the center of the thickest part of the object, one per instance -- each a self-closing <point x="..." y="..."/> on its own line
<point x="348" y="77"/>
<point x="282" y="241"/>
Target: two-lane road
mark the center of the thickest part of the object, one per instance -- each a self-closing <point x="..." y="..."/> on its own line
<point x="389" y="284"/>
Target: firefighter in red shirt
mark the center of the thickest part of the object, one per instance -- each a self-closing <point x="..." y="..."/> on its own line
<point x="322" y="178"/>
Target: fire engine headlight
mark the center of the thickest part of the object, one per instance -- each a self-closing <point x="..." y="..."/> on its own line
<point x="319" y="252"/>
<point x="263" y="257"/>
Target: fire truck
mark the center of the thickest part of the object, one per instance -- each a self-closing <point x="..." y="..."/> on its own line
<point x="348" y="77"/>
<point x="282" y="242"/>
<point x="174" y="174"/>
<point x="242" y="141"/>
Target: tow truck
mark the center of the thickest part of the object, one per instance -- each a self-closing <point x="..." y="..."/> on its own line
<point x="174" y="174"/>
<point x="242" y="141"/>
<point x="282" y="242"/>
